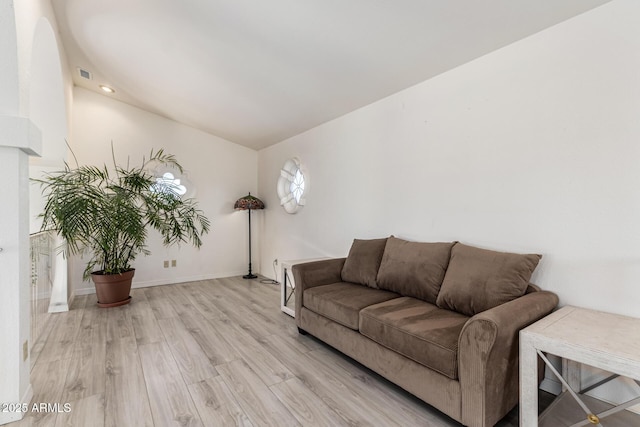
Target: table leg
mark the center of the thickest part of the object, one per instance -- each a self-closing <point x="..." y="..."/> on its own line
<point x="283" y="289"/>
<point x="572" y="371"/>
<point x="528" y="383"/>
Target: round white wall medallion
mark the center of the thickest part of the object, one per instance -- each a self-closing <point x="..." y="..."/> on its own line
<point x="170" y="180"/>
<point x="291" y="186"/>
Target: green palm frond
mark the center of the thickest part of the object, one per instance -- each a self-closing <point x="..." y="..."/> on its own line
<point x="107" y="215"/>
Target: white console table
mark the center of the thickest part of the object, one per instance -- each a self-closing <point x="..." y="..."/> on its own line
<point x="580" y="336"/>
<point x="288" y="285"/>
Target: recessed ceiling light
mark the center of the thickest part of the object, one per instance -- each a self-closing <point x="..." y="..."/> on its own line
<point x="107" y="89"/>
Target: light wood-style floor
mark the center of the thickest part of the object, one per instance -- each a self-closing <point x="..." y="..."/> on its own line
<point x="211" y="353"/>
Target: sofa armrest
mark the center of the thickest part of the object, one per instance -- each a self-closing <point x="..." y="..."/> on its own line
<point x="488" y="356"/>
<point x="316" y="273"/>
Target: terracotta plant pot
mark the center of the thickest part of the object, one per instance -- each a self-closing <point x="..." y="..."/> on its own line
<point x="113" y="289"/>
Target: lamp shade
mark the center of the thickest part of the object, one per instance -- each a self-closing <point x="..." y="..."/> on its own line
<point x="248" y="202"/>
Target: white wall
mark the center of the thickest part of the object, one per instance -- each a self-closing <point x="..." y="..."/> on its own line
<point x="9" y="86"/>
<point x="221" y="171"/>
<point x="47" y="110"/>
<point x="533" y="148"/>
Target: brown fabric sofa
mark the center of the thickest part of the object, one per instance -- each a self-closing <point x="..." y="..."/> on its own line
<point x="441" y="320"/>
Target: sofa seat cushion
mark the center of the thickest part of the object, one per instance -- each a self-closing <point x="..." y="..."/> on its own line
<point x="342" y="301"/>
<point x="418" y="330"/>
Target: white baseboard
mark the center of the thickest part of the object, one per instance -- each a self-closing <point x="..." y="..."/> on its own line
<point x="160" y="282"/>
<point x="9" y="417"/>
<point x="28" y="395"/>
<point x="551" y="386"/>
<point x="84" y="291"/>
<point x="62" y="307"/>
<point x="59" y="308"/>
<point x="186" y="279"/>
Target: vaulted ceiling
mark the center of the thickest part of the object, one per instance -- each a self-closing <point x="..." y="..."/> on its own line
<point x="259" y="71"/>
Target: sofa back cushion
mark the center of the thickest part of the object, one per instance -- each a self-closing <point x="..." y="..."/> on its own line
<point x="480" y="279"/>
<point x="414" y="269"/>
<point x="363" y="261"/>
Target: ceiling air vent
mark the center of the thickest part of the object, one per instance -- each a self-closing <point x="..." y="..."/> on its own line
<point x="85" y="74"/>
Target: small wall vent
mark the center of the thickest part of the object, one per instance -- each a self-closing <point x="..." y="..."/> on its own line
<point x="85" y="74"/>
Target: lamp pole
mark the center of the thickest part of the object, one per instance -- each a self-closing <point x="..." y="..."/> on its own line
<point x="250" y="275"/>
<point x="249" y="203"/>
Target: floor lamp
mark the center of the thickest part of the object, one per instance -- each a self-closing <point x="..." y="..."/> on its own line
<point x="248" y="203"/>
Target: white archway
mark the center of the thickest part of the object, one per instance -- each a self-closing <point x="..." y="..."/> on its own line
<point x="47" y="110"/>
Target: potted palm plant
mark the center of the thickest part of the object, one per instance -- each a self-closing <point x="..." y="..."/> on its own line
<point x="106" y="215"/>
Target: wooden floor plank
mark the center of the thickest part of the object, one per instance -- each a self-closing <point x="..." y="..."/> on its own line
<point x="179" y="300"/>
<point x="200" y="295"/>
<point x="340" y="394"/>
<point x="39" y="344"/>
<point x="243" y="316"/>
<point x="245" y="327"/>
<point x="379" y="393"/>
<point x="119" y="324"/>
<point x="86" y="412"/>
<point x="300" y="343"/>
<point x="59" y="343"/>
<point x="308" y="408"/>
<point x="169" y="398"/>
<point x="266" y="366"/>
<point x="216" y="404"/>
<point x="261" y="406"/>
<point x="47" y="380"/>
<point x="161" y="305"/>
<point x="126" y="399"/>
<point x="144" y="322"/>
<point x="212" y="342"/>
<point x="193" y="363"/>
<point x="86" y="375"/>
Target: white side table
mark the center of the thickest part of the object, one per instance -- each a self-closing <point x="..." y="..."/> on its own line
<point x="603" y="340"/>
<point x="288" y="285"/>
